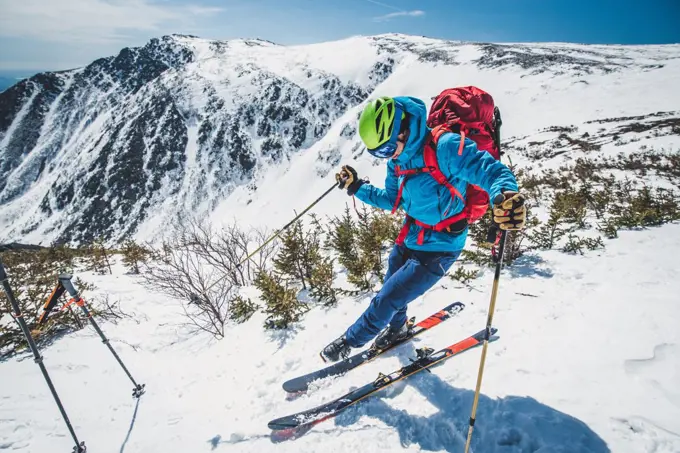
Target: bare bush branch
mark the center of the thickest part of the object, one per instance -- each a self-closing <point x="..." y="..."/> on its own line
<point x="102" y="307"/>
<point x="199" y="266"/>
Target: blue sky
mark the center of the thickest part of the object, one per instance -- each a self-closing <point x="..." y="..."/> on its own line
<point x="61" y="34"/>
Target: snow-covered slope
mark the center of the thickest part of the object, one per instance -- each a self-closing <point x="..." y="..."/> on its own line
<point x="590" y="365"/>
<point x="185" y="124"/>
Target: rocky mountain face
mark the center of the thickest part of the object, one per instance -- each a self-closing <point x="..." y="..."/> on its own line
<point x="178" y="124"/>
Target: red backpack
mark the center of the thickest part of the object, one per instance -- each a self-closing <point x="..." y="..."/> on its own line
<point x="470" y="112"/>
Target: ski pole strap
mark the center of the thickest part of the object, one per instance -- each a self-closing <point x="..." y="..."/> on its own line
<point x="80" y="302"/>
<point x="495" y="252"/>
<point x="354" y="202"/>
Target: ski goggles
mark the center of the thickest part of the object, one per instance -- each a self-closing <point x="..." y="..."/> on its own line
<point x="388" y="148"/>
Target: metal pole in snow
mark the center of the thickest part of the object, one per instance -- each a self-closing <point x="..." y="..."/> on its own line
<point x="487" y="335"/>
<point x="80" y="446"/>
<point x="65" y="280"/>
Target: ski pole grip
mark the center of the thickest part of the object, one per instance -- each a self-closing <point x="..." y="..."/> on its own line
<point x="65" y="280"/>
<point x="492" y="233"/>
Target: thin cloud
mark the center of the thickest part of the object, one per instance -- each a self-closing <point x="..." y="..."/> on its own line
<point x="93" y="21"/>
<point x="386" y="17"/>
<point x="375" y="2"/>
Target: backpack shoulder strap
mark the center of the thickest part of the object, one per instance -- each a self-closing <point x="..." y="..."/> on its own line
<point x="430" y="151"/>
<point x="430" y="156"/>
<point x="405" y="173"/>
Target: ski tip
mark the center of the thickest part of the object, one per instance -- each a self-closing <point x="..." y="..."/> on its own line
<point x="294" y="388"/>
<point x="277" y="425"/>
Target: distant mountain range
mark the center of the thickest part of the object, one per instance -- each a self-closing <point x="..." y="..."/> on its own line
<point x="9" y="78"/>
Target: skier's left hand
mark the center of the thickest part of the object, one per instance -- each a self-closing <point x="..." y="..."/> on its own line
<point x="348" y="179"/>
<point x="509" y="211"/>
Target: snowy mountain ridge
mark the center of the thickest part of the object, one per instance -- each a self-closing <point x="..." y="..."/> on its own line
<point x="185" y="124"/>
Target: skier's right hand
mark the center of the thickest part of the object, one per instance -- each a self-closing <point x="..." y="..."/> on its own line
<point x="348" y="180"/>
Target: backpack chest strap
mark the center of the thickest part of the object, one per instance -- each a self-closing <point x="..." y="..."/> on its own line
<point x="430" y="155"/>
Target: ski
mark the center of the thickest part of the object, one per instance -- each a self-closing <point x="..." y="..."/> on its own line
<point x="426" y="358"/>
<point x="301" y="383"/>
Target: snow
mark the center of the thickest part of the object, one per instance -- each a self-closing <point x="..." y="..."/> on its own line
<point x="593" y="360"/>
<point x="588" y="356"/>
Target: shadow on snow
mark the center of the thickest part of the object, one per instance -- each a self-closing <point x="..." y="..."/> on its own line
<point x="132" y="425"/>
<point x="512" y="424"/>
<point x="529" y="265"/>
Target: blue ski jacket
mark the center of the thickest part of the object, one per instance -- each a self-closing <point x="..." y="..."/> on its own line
<point x="425" y="199"/>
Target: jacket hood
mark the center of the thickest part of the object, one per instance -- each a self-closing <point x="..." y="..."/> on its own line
<point x="417" y="118"/>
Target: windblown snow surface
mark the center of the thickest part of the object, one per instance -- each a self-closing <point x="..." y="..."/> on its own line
<point x="588" y="356"/>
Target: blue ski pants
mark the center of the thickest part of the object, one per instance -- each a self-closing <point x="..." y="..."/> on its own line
<point x="410" y="273"/>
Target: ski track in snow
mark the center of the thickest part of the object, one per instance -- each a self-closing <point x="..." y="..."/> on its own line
<point x="590" y="365"/>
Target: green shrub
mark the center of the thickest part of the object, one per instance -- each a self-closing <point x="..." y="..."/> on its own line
<point x="464" y="276"/>
<point x="576" y="244"/>
<point x="281" y="304"/>
<point x="32" y="275"/>
<point x="321" y="282"/>
<point x="133" y="255"/>
<point x="299" y="254"/>
<point x="241" y="309"/>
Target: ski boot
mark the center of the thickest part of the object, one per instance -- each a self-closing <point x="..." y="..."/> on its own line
<point x="390" y="335"/>
<point x="336" y="350"/>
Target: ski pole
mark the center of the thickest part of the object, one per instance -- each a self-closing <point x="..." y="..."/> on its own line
<point x="65" y="281"/>
<point x="494" y="292"/>
<point x="80" y="446"/>
<point x="285" y="227"/>
<point x="278" y="232"/>
<point x="487" y="335"/>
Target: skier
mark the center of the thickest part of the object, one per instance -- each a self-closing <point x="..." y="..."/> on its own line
<point x="395" y="129"/>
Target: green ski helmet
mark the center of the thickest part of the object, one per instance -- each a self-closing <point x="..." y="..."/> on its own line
<point x="379" y="125"/>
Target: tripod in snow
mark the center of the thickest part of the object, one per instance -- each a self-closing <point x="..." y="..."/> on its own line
<point x="65" y="284"/>
<point x="80" y="446"/>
